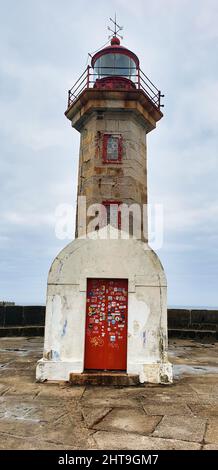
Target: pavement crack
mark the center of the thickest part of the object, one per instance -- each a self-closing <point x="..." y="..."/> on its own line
<point x="59" y="417"/>
<point x="5" y="391"/>
<point x="82" y="393"/>
<point x="205" y="431"/>
<point x="93" y="437"/>
<point x="161" y="418"/>
<point x="189" y="407"/>
<point x="36" y="394"/>
<point x="101" y="418"/>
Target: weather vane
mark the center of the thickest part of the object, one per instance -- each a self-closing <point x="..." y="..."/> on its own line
<point x="115" y="29"/>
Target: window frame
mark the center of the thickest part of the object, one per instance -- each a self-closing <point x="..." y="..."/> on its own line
<point x="107" y="203"/>
<point x="106" y="137"/>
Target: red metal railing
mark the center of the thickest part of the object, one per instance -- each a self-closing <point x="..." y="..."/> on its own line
<point x="135" y="75"/>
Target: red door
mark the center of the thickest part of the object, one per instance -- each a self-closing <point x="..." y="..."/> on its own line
<point x="106" y="324"/>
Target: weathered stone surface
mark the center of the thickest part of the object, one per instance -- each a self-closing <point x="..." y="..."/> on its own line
<point x="51" y="416"/>
<point x="3" y="388"/>
<point x="20" y="365"/>
<point x="94" y="415"/>
<point x="108" y="392"/>
<point x="167" y="409"/>
<point x="200" y="379"/>
<point x="210" y="447"/>
<point x="131" y="420"/>
<point x="204" y="411"/>
<point x="102" y="379"/>
<point x="211" y="435"/>
<point x="186" y="428"/>
<point x="171" y="398"/>
<point x="22" y="427"/>
<point x="19" y="443"/>
<point x="21" y="392"/>
<point x="70" y="436"/>
<point x="204" y="388"/>
<point x="52" y="391"/>
<point x="125" y="441"/>
<point x="111" y="402"/>
<point x="46" y="413"/>
<point x="110" y="397"/>
<point x="14" y="409"/>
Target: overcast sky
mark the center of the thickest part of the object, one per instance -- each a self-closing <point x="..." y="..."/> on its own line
<point x="44" y="46"/>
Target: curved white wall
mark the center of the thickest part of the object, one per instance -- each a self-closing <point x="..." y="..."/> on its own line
<point x="66" y="306"/>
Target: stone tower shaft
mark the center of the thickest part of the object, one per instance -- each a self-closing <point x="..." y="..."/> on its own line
<point x="113" y="157"/>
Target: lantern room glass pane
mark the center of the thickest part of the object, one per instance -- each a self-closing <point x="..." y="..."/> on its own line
<point x="107" y="64"/>
<point x="133" y="70"/>
<point x="122" y="64"/>
<point x="116" y="65"/>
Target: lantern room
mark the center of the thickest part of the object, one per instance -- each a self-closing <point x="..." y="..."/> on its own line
<point x="115" y="67"/>
<point x="115" y="61"/>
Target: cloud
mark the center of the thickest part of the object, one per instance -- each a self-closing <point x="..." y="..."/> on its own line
<point x="44" y="48"/>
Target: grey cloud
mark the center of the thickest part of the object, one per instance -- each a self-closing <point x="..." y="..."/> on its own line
<point x="43" y="49"/>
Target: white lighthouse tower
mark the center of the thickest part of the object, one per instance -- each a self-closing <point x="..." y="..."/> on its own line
<point x="106" y="309"/>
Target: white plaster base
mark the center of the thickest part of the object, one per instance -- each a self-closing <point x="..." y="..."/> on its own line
<point x="56" y="370"/>
<point x="157" y="373"/>
<point x="114" y="258"/>
<point x="60" y="370"/>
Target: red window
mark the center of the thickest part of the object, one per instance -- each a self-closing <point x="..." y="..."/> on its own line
<point x="112" y="148"/>
<point x="113" y="213"/>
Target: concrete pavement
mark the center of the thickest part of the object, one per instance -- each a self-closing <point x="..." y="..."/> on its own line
<point x="154" y="417"/>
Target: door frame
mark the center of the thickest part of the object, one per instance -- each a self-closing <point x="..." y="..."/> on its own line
<point x="85" y="322"/>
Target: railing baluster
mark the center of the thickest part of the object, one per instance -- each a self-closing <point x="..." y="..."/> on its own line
<point x="88" y="76"/>
<point x="138" y="78"/>
<point x="141" y="81"/>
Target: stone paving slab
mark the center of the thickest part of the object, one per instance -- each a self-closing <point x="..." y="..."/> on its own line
<point x="175" y="399"/>
<point x="204" y="410"/>
<point x="111" y="440"/>
<point x="168" y="409"/>
<point x="187" y="428"/>
<point x="211" y="436"/>
<point x="146" y="417"/>
<point x="210" y="447"/>
<point x="20" y="427"/>
<point x="111" y="401"/>
<point x="20" y="443"/>
<point x="131" y="420"/>
<point x="206" y="389"/>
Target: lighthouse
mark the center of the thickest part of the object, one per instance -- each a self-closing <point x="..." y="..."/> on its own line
<point x="106" y="307"/>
